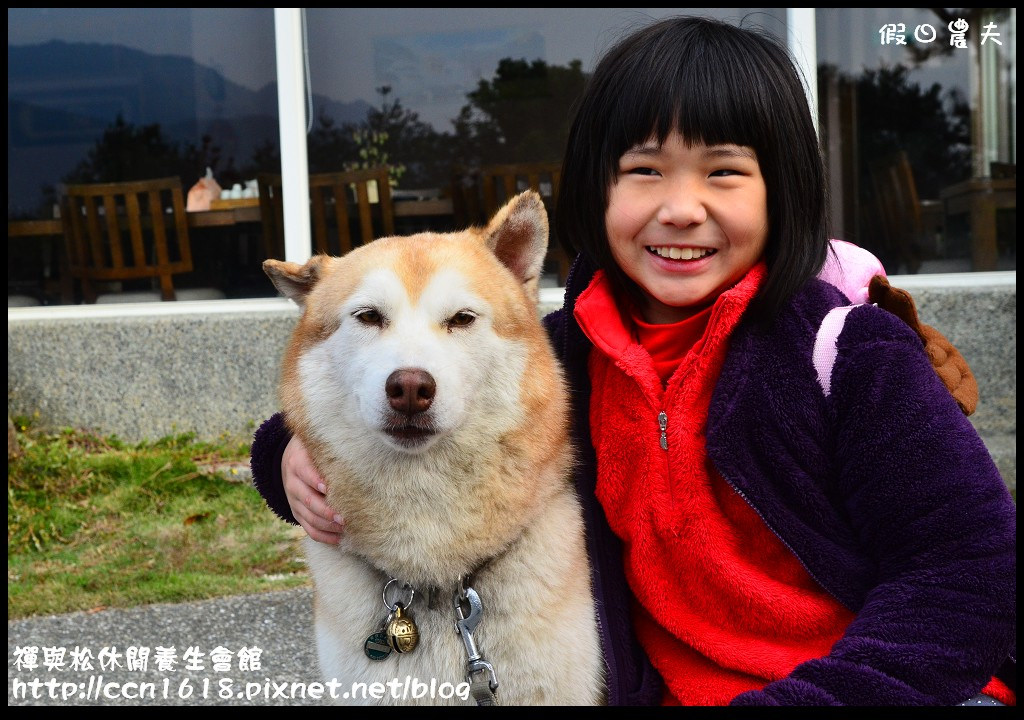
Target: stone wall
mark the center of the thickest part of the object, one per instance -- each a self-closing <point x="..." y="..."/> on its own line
<point x="142" y="371"/>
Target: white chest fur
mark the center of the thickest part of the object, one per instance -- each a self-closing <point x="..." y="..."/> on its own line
<point x="538" y="627"/>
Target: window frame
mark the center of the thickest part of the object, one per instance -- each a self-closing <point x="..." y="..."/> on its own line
<point x="292" y="102"/>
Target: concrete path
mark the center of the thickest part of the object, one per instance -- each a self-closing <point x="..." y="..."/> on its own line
<point x="278" y="623"/>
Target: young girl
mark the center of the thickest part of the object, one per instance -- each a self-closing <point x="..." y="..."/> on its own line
<point x="767" y="525"/>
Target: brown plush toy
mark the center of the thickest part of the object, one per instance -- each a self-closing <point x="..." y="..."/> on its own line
<point x="949" y="364"/>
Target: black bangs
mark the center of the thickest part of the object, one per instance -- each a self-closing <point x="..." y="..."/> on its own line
<point x="704" y="80"/>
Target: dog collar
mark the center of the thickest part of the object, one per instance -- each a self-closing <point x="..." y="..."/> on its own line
<point x="400" y="634"/>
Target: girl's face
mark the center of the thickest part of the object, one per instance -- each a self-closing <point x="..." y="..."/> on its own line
<point x="686" y="223"/>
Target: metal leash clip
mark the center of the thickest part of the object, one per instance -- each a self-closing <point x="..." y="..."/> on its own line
<point x="466" y="622"/>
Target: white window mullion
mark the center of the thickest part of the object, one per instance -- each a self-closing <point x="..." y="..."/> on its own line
<point x="291" y="112"/>
<point x="801" y="38"/>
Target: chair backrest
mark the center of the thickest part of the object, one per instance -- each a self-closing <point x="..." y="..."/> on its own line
<point x="499" y="183"/>
<point x="1002" y="170"/>
<point x="478" y="194"/>
<point x="330" y="195"/>
<point x="125" y="231"/>
<point x="896" y="211"/>
<point x="896" y="197"/>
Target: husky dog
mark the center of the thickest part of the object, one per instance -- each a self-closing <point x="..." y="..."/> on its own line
<point x="421" y="381"/>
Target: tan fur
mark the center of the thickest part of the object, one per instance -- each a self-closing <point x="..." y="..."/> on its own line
<point x="491" y="495"/>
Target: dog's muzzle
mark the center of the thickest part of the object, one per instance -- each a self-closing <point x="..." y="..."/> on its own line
<point x="410" y="393"/>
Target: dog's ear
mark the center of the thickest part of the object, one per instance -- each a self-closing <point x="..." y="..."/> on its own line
<point x="518" y="235"/>
<point x="294" y="280"/>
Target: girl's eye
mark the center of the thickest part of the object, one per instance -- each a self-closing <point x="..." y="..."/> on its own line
<point x="641" y="171"/>
<point x="369" y="316"/>
<point x="725" y="172"/>
<point x="461" y="319"/>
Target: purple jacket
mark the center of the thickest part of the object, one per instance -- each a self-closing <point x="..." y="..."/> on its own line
<point x="883" y="491"/>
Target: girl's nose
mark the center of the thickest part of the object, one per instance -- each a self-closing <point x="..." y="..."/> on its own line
<point x="682" y="206"/>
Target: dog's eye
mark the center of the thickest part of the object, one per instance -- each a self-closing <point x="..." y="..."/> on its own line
<point x="369" y="316"/>
<point x="463" y="318"/>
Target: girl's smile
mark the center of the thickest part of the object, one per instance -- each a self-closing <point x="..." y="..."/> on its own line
<point x="686" y="222"/>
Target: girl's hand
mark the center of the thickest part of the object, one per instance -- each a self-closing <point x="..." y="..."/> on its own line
<point x="305" y="491"/>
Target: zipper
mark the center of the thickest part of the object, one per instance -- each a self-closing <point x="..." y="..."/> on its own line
<point x="592" y="523"/>
<point x="781" y="539"/>
<point x="662" y="426"/>
<point x="602" y="642"/>
<point x="596" y="546"/>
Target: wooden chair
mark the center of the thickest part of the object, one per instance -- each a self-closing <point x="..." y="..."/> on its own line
<point x="330" y="195"/>
<point x="477" y="195"/>
<point x="896" y="212"/>
<point x="126" y="231"/>
<point x="37" y="269"/>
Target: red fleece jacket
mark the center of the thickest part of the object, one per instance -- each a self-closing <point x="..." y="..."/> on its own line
<point x="723" y="605"/>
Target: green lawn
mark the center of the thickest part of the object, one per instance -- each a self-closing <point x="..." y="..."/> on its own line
<point x="94" y="522"/>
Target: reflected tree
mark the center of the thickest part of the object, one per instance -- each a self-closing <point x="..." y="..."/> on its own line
<point x="391" y="134"/>
<point x="891" y="113"/>
<point x="329" y="145"/>
<point x="137" y="152"/>
<point x="521" y="115"/>
<point x="128" y="152"/>
<point x="932" y="125"/>
<point x="266" y="157"/>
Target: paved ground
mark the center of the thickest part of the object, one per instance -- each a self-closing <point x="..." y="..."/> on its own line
<point x="278" y="623"/>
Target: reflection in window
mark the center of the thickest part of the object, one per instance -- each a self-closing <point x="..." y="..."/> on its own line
<point x="116" y="94"/>
<point x="105" y="94"/>
<point x="449" y="99"/>
<point x="430" y="91"/>
<point x="916" y="131"/>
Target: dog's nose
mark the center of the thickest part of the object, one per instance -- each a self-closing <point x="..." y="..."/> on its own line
<point x="410" y="391"/>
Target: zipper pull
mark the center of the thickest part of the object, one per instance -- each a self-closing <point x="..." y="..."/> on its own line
<point x="662" y="424"/>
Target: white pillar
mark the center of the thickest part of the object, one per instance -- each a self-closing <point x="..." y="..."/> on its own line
<point x="291" y="103"/>
<point x="801" y="38"/>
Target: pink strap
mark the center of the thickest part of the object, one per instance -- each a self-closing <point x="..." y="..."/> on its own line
<point x="825" y="351"/>
<point x="850" y="268"/>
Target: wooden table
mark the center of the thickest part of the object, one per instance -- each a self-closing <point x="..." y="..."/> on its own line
<point x="207" y="218"/>
<point x="239" y="214"/>
<point x="980" y="198"/>
<point x="49" y="232"/>
<point x="224" y="217"/>
<point x="229" y="214"/>
<point x="424" y="208"/>
<point x="34" y="228"/>
<point x="250" y="213"/>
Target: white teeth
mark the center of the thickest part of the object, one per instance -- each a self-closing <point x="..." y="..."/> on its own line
<point x="677" y="253"/>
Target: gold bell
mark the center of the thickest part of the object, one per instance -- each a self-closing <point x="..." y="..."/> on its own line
<point x="402" y="633"/>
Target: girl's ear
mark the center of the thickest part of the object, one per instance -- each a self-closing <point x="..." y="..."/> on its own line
<point x="518" y="235"/>
<point x="294" y="280"/>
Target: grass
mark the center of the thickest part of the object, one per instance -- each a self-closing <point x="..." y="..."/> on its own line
<point x="94" y="522"/>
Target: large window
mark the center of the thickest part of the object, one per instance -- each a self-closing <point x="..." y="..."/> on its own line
<point x="103" y="94"/>
<point x="451" y="98"/>
<point x="434" y="89"/>
<point x="116" y="94"/>
<point x="918" y="130"/>
<point x="918" y="120"/>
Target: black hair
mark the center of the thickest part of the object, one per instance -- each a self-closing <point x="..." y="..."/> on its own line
<point x="716" y="84"/>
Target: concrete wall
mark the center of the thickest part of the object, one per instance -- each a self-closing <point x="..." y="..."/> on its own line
<point x="149" y="370"/>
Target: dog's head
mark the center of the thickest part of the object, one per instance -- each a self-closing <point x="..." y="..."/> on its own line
<point x="406" y="341"/>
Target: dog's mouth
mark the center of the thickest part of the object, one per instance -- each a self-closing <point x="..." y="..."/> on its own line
<point x="409" y="433"/>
